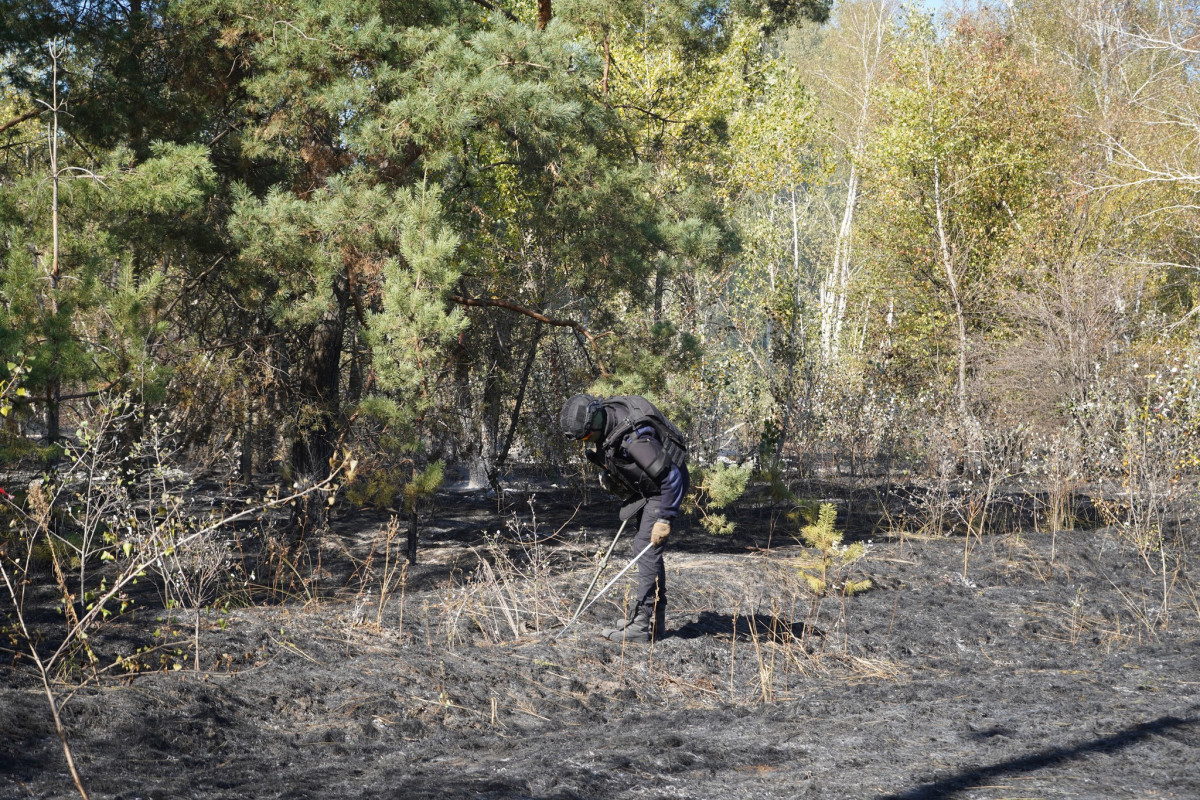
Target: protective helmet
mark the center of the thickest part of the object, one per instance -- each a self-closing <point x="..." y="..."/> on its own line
<point x="580" y="416"/>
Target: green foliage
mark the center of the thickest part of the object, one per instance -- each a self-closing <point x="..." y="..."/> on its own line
<point x="334" y="223"/>
<point x="381" y="486"/>
<point x="777" y="488"/>
<point x="834" y="560"/>
<point x="724" y="483"/>
<point x="376" y="486"/>
<point x="390" y="471"/>
<point x="423" y="485"/>
<point x="717" y="487"/>
<point x="962" y="163"/>
<point x="414" y="326"/>
<point x="91" y="314"/>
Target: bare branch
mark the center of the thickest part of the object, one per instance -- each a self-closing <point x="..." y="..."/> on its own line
<point x="18" y="120"/>
<point x="496" y="302"/>
<point x="508" y="15"/>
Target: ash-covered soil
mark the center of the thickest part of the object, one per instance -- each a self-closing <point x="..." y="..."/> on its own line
<point x="1012" y="665"/>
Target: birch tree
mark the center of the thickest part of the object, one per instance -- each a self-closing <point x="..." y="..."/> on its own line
<point x="773" y="302"/>
<point x="961" y="157"/>
<point x="847" y="63"/>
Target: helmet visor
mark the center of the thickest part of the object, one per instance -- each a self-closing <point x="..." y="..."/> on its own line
<point x="595" y="425"/>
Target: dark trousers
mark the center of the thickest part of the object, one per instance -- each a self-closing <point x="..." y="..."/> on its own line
<point x="652" y="574"/>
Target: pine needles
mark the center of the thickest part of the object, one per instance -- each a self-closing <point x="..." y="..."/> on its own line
<point x="830" y="573"/>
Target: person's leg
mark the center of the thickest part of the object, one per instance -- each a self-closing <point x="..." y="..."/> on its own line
<point x="652" y="575"/>
<point x="647" y="615"/>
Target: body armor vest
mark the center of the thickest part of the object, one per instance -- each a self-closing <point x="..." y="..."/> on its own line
<point x="626" y="415"/>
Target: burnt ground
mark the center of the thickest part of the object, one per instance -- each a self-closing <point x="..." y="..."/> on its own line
<point x="1012" y="665"/>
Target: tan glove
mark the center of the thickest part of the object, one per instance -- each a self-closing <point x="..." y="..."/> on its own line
<point x="660" y="532"/>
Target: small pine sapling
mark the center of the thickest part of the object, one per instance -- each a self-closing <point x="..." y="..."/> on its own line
<point x="718" y="487"/>
<point x="835" y="559"/>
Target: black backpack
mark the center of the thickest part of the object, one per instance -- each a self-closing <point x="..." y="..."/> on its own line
<point x="640" y="411"/>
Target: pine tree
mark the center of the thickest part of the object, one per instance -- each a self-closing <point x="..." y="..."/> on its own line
<point x="834" y="560"/>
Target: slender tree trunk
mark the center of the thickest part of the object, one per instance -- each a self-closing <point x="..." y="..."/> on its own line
<point x="137" y="31"/>
<point x="414" y="529"/>
<point x="794" y="335"/>
<point x="948" y="266"/>
<point x="870" y="31"/>
<point x="837" y="284"/>
<point x="607" y="63"/>
<point x="660" y="288"/>
<point x="246" y="462"/>
<point x="319" y="389"/>
<point x="972" y="434"/>
<point x="312" y="450"/>
<point x="526" y="371"/>
<point x="53" y="386"/>
<point x="485" y="425"/>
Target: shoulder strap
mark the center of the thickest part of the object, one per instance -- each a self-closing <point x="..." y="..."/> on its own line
<point x="624" y="422"/>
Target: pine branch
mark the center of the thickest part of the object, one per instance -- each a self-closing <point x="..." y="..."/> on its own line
<point x="495" y="302"/>
<point x="18" y="120"/>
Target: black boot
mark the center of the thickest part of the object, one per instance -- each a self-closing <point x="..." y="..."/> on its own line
<point x="635" y="629"/>
<point x="660" y="620"/>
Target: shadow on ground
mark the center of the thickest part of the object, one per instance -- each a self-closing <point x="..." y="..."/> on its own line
<point x="747" y="626"/>
<point x="969" y="779"/>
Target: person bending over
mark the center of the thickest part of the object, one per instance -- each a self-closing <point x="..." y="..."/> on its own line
<point x="643" y="458"/>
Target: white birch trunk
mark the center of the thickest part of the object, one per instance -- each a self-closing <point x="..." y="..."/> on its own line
<point x="870" y="34"/>
<point x="836" y="286"/>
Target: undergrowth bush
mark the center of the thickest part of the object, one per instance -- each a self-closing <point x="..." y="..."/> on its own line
<point x="716" y="488"/>
<point x="114" y="513"/>
<point x="1141" y="439"/>
<point x="512" y="591"/>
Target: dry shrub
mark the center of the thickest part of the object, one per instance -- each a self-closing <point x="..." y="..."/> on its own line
<point x="938" y="504"/>
<point x="1145" y="440"/>
<point x="1066" y="312"/>
<point x="212" y="404"/>
<point x="513" y="590"/>
<point x="1056" y="465"/>
<point x="383" y="572"/>
<point x="855" y="424"/>
<point x="111" y="515"/>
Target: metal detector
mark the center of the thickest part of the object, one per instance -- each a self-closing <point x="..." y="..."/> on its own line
<point x="627" y="512"/>
<point x="608" y="586"/>
<point x="596" y="577"/>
